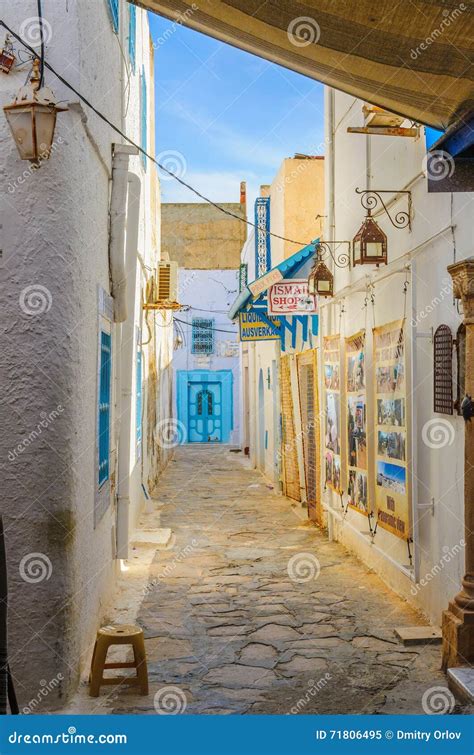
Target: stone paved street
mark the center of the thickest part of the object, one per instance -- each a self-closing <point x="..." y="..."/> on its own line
<point x="228" y="630"/>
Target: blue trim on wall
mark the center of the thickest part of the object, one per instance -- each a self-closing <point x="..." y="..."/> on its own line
<point x="224" y="377"/>
<point x="132" y="34"/>
<point x="262" y="238"/>
<point x="114" y="11"/>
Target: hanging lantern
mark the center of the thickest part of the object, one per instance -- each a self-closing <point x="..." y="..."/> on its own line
<point x="369" y="246"/>
<point x="7" y="58"/>
<point x="32" y="118"/>
<point x="321" y="280"/>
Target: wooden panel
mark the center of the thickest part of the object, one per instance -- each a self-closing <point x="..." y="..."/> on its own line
<point x="309" y="404"/>
<point x="291" y="483"/>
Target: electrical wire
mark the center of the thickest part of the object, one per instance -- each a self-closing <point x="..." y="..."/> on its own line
<point x="117" y="130"/>
<point x="40" y="19"/>
<point x="205" y="327"/>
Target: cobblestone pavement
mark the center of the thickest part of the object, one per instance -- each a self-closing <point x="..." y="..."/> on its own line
<point x="240" y="617"/>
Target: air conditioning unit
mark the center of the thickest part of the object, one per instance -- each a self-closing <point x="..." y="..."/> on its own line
<point x="162" y="290"/>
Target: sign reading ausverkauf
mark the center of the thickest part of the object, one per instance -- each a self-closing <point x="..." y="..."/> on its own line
<point x="252" y="328"/>
<point x="291" y="297"/>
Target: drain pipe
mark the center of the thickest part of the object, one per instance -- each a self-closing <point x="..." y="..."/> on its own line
<point x="331" y="222"/>
<point x="127" y="361"/>
<point x="118" y="205"/>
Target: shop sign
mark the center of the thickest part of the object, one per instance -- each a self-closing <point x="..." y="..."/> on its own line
<point x="291" y="297"/>
<point x="253" y="328"/>
<point x="264" y="282"/>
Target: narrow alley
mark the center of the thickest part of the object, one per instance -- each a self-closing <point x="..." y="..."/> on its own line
<point x="252" y="610"/>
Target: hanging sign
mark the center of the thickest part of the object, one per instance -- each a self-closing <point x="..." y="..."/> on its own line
<point x="332" y="384"/>
<point x="391" y="472"/>
<point x="356" y="423"/>
<point x="254" y="328"/>
<point x="263" y="283"/>
<point x="291" y="297"/>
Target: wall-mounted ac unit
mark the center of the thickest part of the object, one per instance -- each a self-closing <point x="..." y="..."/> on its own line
<point x="162" y="293"/>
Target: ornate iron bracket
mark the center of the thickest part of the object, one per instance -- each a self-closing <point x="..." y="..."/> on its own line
<point x="371" y="199"/>
<point x="324" y="249"/>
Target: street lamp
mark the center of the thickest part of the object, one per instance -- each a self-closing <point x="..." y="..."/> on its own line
<point x="369" y="246"/>
<point x="32" y="118"/>
<point x="321" y="280"/>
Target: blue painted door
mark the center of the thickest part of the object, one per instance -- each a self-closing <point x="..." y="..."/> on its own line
<point x="205" y="412"/>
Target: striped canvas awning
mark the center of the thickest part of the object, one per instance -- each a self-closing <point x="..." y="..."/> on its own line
<point x="412" y="57"/>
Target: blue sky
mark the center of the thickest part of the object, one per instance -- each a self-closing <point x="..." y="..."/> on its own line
<point x="223" y="115"/>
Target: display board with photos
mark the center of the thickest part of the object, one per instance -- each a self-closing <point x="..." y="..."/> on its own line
<point x="356" y="422"/>
<point x="391" y="472"/>
<point x="332" y="414"/>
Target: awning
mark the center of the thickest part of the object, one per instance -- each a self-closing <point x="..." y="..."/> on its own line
<point x="413" y="58"/>
<point x="288" y="267"/>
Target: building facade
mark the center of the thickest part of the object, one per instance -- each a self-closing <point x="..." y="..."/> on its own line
<point x="206" y="245"/>
<point x="292" y="208"/>
<point x="86" y="370"/>
<point x="368" y="433"/>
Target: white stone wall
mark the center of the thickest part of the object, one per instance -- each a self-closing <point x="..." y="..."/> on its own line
<point x="209" y="294"/>
<point x="430" y="245"/>
<point x="55" y="235"/>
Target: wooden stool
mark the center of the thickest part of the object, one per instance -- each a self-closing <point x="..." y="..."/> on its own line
<point x="120" y="634"/>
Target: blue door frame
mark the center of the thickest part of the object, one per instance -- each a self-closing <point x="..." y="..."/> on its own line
<point x="205" y="405"/>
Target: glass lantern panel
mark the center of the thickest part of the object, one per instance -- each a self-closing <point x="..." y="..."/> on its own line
<point x="356" y="251"/>
<point x="45" y="122"/>
<point x="374" y="249"/>
<point x="21" y="124"/>
<point x="324" y="285"/>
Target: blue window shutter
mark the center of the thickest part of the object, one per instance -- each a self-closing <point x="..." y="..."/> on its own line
<point x="104" y="405"/>
<point x="202" y="336"/>
<point x="143" y="115"/>
<point x="132" y="34"/>
<point x="139" y="404"/>
<point x="114" y="14"/>
<point x="262" y="236"/>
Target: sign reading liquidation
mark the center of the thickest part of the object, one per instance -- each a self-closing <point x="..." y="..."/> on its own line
<point x="291" y="297"/>
<point x="392" y="499"/>
<point x="356" y="422"/>
<point x="253" y="328"/>
<point x="332" y="383"/>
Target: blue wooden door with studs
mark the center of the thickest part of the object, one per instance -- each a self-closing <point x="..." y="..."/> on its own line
<point x="205" y="412"/>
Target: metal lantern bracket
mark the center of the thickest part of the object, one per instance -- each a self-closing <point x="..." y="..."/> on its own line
<point x="371" y="199"/>
<point x="325" y="249"/>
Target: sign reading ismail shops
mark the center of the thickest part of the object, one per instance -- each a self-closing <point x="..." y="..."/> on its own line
<point x="254" y="328"/>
